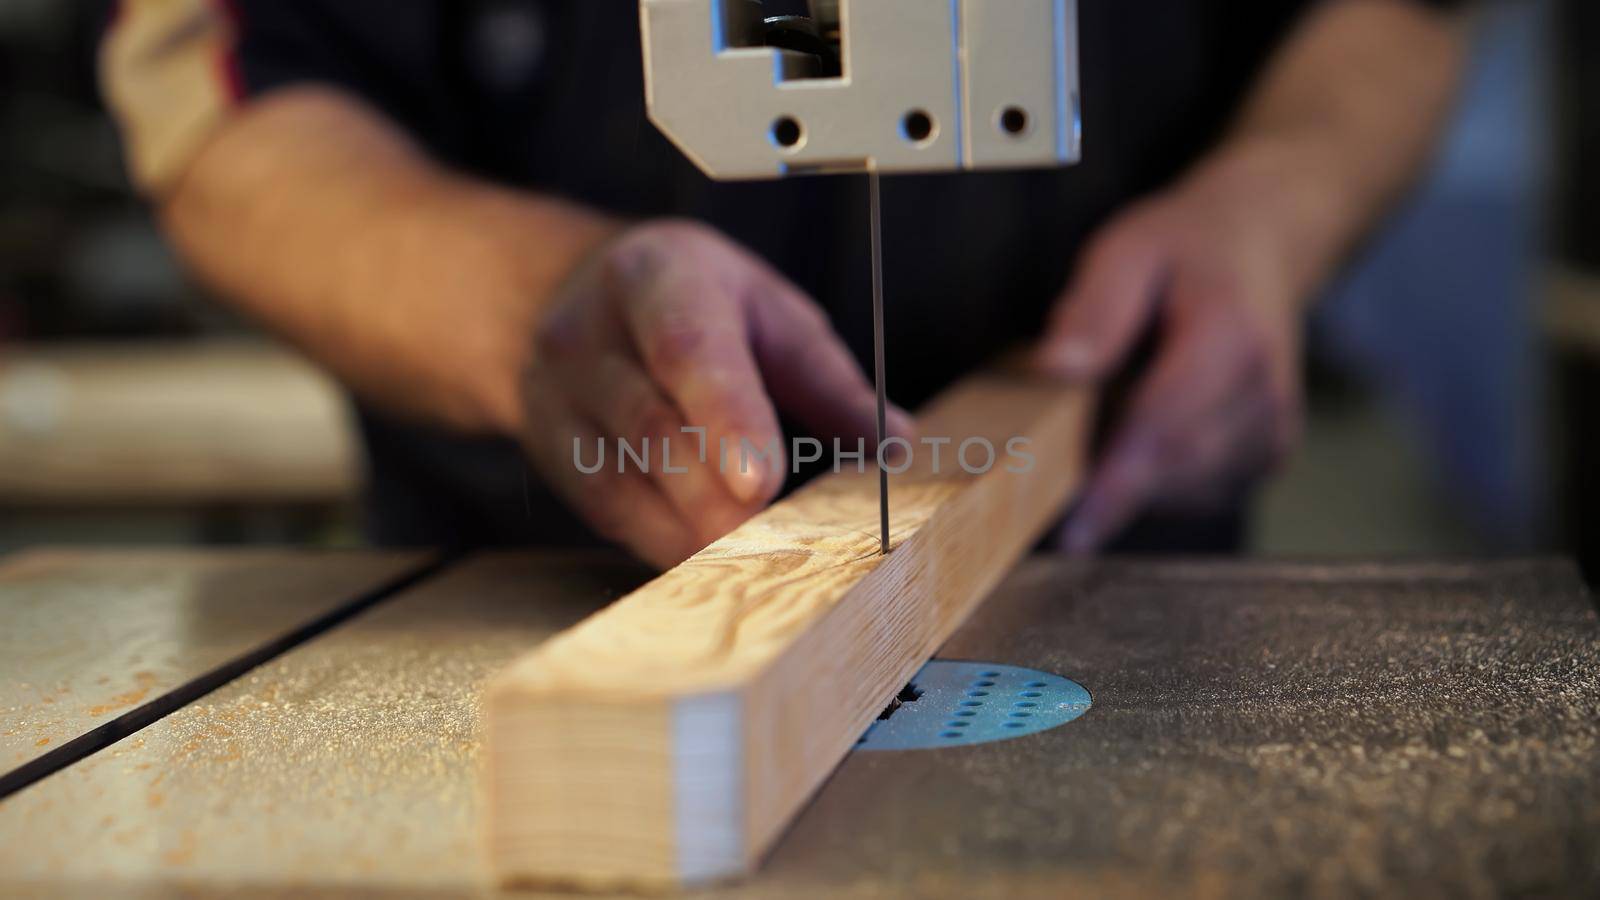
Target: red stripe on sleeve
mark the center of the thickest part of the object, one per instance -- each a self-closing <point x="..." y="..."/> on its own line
<point x="229" y="67"/>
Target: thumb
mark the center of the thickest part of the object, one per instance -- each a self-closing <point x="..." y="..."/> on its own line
<point x="1100" y="316"/>
<point x="810" y="373"/>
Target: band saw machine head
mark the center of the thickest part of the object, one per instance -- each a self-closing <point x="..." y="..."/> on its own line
<point x="750" y="89"/>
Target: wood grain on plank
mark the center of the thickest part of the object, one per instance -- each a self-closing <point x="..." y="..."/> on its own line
<point x="670" y="738"/>
<point x="88" y="635"/>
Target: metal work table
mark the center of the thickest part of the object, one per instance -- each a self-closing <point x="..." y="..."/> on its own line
<point x="1408" y="729"/>
<point x="86" y="638"/>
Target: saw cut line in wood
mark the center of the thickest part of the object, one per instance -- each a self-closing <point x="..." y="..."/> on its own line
<point x="670" y="738"/>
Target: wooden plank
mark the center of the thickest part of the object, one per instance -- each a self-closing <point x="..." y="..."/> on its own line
<point x="89" y="635"/>
<point x="349" y="763"/>
<point x="1572" y="308"/>
<point x="671" y="738"/>
<point x="199" y="423"/>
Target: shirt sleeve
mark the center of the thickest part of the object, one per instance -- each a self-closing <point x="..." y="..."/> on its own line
<point x="172" y="71"/>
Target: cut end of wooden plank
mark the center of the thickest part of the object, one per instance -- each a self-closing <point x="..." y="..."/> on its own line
<point x="669" y="739"/>
<point x="649" y="791"/>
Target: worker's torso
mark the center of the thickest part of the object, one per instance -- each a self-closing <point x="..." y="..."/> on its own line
<point x="548" y="94"/>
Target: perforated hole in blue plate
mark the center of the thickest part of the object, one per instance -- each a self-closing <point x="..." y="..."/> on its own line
<point x="950" y="709"/>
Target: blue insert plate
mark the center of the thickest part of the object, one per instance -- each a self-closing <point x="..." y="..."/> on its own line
<point x="960" y="703"/>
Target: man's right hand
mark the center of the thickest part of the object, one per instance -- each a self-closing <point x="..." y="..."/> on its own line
<point x="673" y="326"/>
<point x="663" y="326"/>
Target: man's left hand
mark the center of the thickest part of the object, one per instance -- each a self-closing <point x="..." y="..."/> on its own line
<point x="1221" y="403"/>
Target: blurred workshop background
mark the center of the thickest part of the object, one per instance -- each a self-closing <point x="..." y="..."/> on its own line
<point x="1452" y="374"/>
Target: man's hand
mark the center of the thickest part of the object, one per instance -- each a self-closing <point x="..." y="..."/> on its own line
<point x="673" y="326"/>
<point x="1222" y="265"/>
<point x="514" y="314"/>
<point x="1220" y="404"/>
